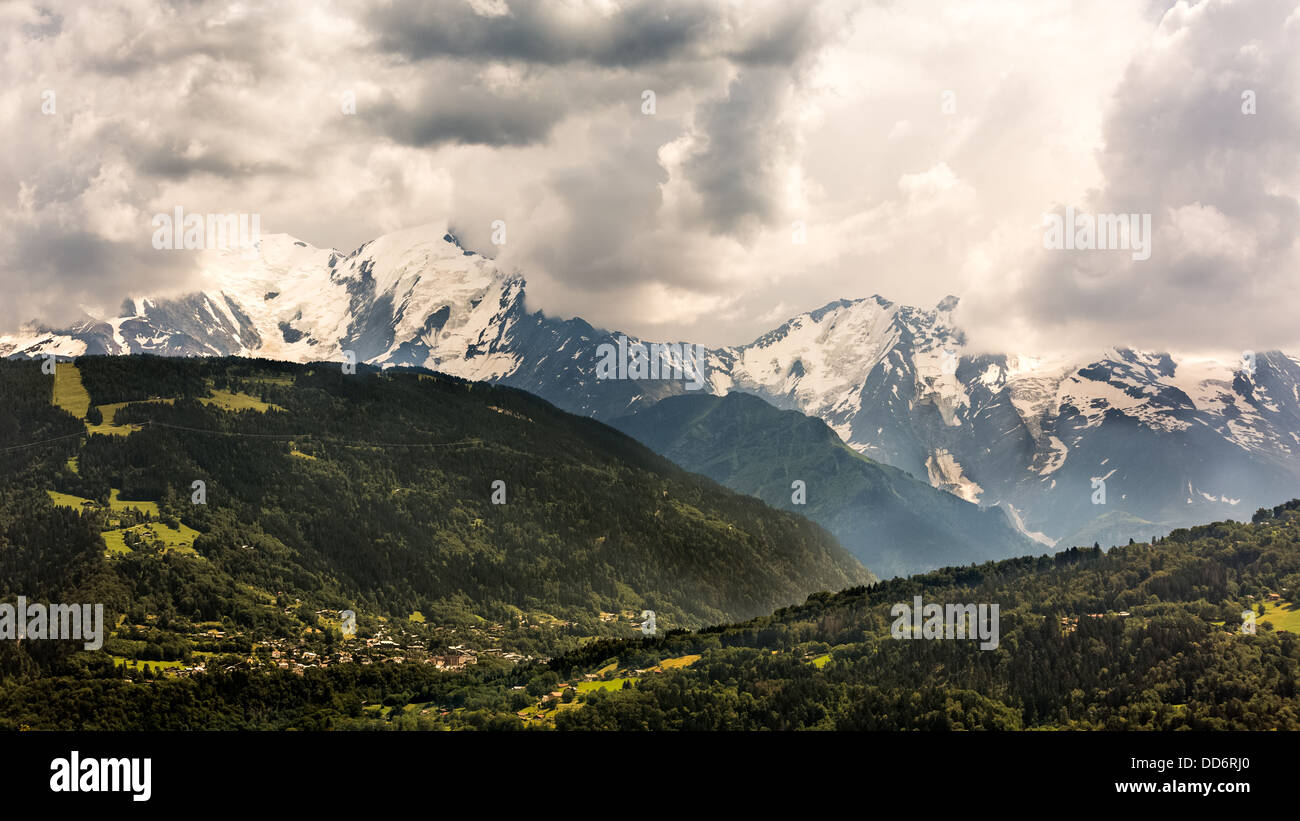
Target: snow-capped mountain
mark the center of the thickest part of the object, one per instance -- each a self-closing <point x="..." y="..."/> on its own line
<point x="414" y="297"/>
<point x="411" y="297"/>
<point x="1164" y="440"/>
<point x="1169" y="440"/>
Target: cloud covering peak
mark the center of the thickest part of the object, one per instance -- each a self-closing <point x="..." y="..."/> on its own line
<point x="681" y="168"/>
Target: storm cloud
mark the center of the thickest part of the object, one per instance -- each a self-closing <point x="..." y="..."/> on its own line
<point x="684" y="169"/>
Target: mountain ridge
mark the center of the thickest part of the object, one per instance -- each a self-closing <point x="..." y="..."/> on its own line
<point x="1175" y="439"/>
<point x="390" y="491"/>
<point x="892" y="522"/>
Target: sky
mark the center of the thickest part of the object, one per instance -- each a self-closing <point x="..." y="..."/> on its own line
<point x="791" y="154"/>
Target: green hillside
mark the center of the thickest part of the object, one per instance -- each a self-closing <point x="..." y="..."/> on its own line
<point x="240" y="629"/>
<point x="893" y="523"/>
<point x="1140" y="637"/>
<point x="371" y="492"/>
<point x="1143" y="637"/>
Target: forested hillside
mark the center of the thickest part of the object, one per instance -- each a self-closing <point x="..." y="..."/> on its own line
<point x="222" y="613"/>
<point x="461" y="511"/>
<point x="1144" y="637"/>
<point x="893" y="523"/>
<point x="1147" y="636"/>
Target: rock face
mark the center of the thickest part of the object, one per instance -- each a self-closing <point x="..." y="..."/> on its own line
<point x="1169" y="439"/>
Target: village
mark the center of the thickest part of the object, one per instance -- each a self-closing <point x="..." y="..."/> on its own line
<point x="323" y="643"/>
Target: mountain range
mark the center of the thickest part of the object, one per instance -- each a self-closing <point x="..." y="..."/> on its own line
<point x="1105" y="447"/>
<point x="895" y="524"/>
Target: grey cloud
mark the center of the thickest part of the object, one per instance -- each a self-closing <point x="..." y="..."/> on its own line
<point x="438" y="115"/>
<point x="87" y="268"/>
<point x="541" y="32"/>
<point x="48" y="24"/>
<point x="565" y="65"/>
<point x="169" y="161"/>
<point x="612" y="206"/>
<point x="1177" y="146"/>
<point x="55" y="184"/>
<point x="734" y="171"/>
<point x="786" y="36"/>
<point x="453" y="103"/>
<point x="192" y="30"/>
<point x="749" y="138"/>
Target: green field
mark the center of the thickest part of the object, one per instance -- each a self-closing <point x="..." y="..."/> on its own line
<point x="136" y="664"/>
<point x="180" y="538"/>
<point x="115" y="503"/>
<point x="273" y="379"/>
<point x="68" y="500"/>
<point x="1282" y="617"/>
<point x="169" y="538"/>
<point x="821" y="661"/>
<point x="69" y="393"/>
<point x="199" y="656"/>
<point x="109" y="426"/>
<point x="227" y="400"/>
<point x="612" y="684"/>
<point x="681" y="661"/>
<point x="536" y="712"/>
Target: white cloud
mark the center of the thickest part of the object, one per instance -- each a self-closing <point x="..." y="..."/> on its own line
<point x="679" y="223"/>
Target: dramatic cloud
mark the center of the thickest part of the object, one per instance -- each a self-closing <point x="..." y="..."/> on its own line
<point x="1201" y="135"/>
<point x="683" y="168"/>
<point x="618" y="35"/>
